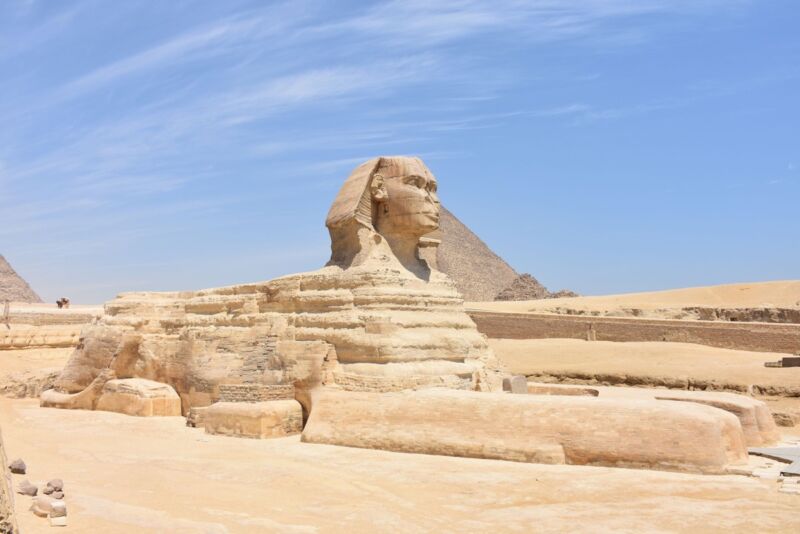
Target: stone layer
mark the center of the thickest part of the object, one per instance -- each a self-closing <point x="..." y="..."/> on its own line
<point x="759" y="337"/>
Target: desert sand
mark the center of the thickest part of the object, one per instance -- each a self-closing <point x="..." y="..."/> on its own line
<point x="33" y="360"/>
<point x="130" y="474"/>
<point x="654" y="359"/>
<point x="659" y="364"/>
<point x="781" y="294"/>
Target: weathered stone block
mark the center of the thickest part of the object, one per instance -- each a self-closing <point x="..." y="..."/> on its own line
<point x="529" y="428"/>
<point x="516" y="384"/>
<point x="139" y="396"/>
<point x="757" y="423"/>
<point x="272" y="419"/>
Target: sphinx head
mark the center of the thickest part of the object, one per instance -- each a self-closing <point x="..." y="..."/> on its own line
<point x="393" y="198"/>
<point x="404" y="192"/>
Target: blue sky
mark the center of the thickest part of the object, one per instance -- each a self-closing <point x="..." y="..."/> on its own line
<point x="601" y="145"/>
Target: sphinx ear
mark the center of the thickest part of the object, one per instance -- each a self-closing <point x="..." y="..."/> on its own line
<point x="378" y="189"/>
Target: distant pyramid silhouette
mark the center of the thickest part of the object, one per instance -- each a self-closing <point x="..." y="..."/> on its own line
<point x="13" y="287"/>
<point x="479" y="273"/>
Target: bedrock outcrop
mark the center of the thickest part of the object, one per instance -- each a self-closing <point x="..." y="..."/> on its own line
<point x="680" y="436"/>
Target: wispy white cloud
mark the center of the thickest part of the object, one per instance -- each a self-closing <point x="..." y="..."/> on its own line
<point x="151" y="139"/>
<point x="190" y="46"/>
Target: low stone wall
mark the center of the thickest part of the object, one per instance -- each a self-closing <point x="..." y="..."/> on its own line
<point x="760" y="337"/>
<point x="8" y="524"/>
<point x="255" y="392"/>
<point x="54" y="318"/>
<point x="39" y="337"/>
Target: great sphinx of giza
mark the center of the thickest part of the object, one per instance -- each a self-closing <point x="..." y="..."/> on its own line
<point x="378" y="317"/>
<point x="380" y="353"/>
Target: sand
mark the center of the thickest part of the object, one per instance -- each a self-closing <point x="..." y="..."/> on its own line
<point x="698" y="362"/>
<point x="653" y="364"/>
<point x="782" y="294"/>
<point x="33" y="359"/>
<point x="128" y="474"/>
<point x="14" y="361"/>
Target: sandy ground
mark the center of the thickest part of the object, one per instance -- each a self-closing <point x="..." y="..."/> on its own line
<point x="12" y="361"/>
<point x="650" y="362"/>
<point x="783" y="294"/>
<point x="127" y="474"/>
<point x="699" y="362"/>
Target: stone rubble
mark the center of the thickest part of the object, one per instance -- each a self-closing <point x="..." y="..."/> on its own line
<point x="18" y="467"/>
<point x="26" y="488"/>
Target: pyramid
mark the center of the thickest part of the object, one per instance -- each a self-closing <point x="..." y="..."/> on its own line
<point x="12" y="287"/>
<point x="479" y="273"/>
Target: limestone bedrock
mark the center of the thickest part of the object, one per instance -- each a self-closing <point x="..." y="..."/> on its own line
<point x="531" y="428"/>
<point x="378" y="321"/>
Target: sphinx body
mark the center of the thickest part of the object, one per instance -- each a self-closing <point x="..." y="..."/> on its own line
<point x="378" y="317"/>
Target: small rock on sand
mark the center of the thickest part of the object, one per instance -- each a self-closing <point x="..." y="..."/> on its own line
<point x="26" y="488"/>
<point x="18" y="467"/>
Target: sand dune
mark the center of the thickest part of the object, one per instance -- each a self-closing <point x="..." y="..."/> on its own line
<point x="781" y="294"/>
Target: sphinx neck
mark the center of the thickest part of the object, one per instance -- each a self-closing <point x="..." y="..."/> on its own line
<point x="405" y="249"/>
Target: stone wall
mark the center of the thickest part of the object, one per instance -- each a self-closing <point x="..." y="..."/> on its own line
<point x="760" y="337"/>
<point x="8" y="524"/>
<point x="254" y="392"/>
<point x="39" y="337"/>
<point x="54" y="318"/>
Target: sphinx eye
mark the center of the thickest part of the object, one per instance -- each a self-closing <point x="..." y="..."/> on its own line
<point x="432" y="187"/>
<point x="416" y="181"/>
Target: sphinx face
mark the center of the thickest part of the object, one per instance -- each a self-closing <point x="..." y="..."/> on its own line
<point x="409" y="205"/>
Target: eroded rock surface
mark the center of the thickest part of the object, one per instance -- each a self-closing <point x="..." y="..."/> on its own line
<point x="378" y="317"/>
<point x="530" y="428"/>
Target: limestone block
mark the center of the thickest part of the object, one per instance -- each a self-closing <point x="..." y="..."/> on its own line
<point x="42" y="505"/>
<point x="138" y="396"/>
<point x="757" y="423"/>
<point x="271" y="419"/>
<point x="529" y="428"/>
<point x="517" y="384"/>
<point x="54" y="509"/>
